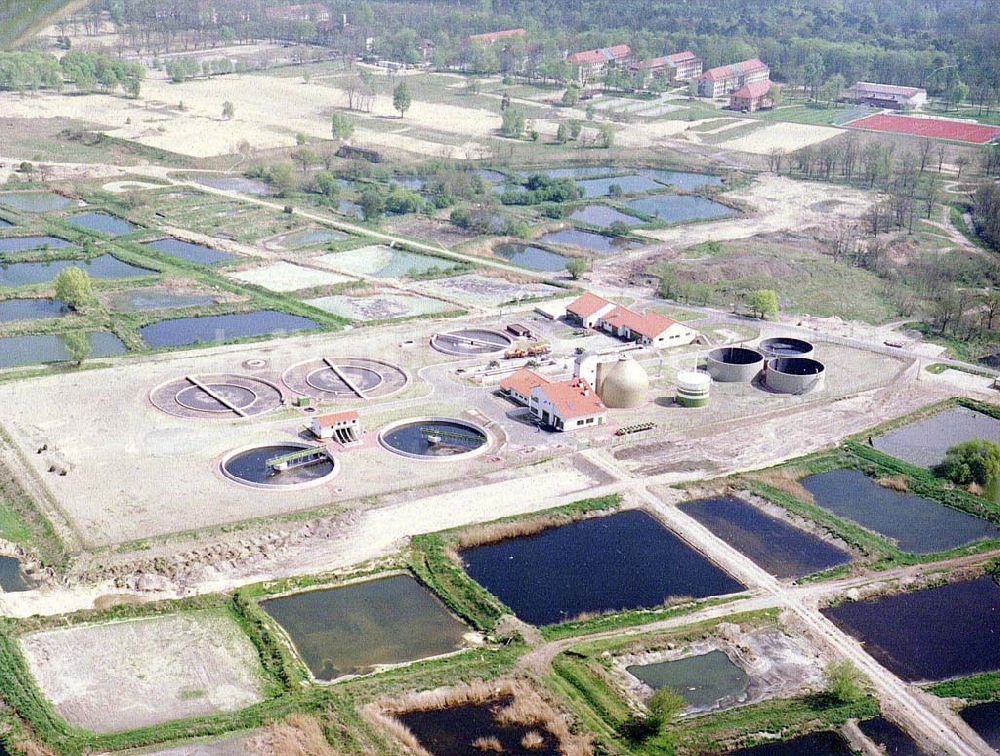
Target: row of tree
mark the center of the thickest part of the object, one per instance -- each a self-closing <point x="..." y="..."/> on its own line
<point x="31" y="70"/>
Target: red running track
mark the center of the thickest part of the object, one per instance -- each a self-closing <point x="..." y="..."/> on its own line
<point x="928" y="127"/>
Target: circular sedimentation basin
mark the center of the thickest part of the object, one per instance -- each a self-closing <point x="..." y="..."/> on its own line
<point x="733" y="364"/>
<point x="216" y="395"/>
<point x="794" y="375"/>
<point x="332" y="378"/>
<point x="785" y="346"/>
<point x="249" y="466"/>
<point x="434" y="438"/>
<point x="471" y="342"/>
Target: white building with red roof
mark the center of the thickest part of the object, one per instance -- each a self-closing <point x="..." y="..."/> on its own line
<point x="680" y="66"/>
<point x="567" y="405"/>
<point x="491" y="38"/>
<point x="886" y="95"/>
<point x="722" y="80"/>
<point x="339" y="426"/>
<point x="519" y="384"/>
<point x="649" y="328"/>
<point x="590" y="64"/>
<point x="752" y="97"/>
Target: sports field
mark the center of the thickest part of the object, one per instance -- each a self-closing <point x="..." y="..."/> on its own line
<point x="938" y="128"/>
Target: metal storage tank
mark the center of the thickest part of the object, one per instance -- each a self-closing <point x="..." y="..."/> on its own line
<point x="623" y="383"/>
<point x="734" y="364"/>
<point x="693" y="388"/>
<point x="794" y="375"/>
<point x="785" y="346"/>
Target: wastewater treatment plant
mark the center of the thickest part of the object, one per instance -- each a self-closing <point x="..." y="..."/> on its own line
<point x="339" y="419"/>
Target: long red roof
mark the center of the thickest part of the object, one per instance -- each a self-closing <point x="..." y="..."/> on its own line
<point x="491" y="37"/>
<point x="753" y="90"/>
<point x="744" y="67"/>
<point x="573" y="398"/>
<point x="600" y="55"/>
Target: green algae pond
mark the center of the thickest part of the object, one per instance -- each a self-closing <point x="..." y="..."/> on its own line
<point x="704" y="681"/>
<point x="356" y="628"/>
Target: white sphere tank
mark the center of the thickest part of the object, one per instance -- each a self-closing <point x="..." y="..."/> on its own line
<point x="624" y="384"/>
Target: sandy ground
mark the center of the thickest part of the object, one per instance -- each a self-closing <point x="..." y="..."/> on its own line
<point x="284" y="276"/>
<point x="777" y="204"/>
<point x="787" y="136"/>
<point x="123" y="675"/>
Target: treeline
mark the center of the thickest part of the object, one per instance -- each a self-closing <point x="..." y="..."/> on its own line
<point x="986" y="214"/>
<point x="31" y="70"/>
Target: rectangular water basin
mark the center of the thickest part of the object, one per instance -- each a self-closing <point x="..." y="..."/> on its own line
<point x="40" y="348"/>
<point x="588" y="240"/>
<point x="591" y="566"/>
<point x="632" y="184"/>
<point x="31" y="243"/>
<point x="212" y="328"/>
<point x="196" y="253"/>
<point x="103" y="266"/>
<point x="916" y="524"/>
<point x="924" y="442"/>
<point x="103" y="223"/>
<point x="676" y="208"/>
<point x="602" y="215"/>
<point x="356" y="628"/>
<point x="932" y="634"/>
<point x="36" y="202"/>
<point x="531" y="257"/>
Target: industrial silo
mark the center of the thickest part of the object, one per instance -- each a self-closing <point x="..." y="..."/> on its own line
<point x="623" y="383"/>
<point x="693" y="388"/>
<point x="733" y="364"/>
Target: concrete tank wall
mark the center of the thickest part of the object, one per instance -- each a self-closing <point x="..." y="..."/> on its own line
<point x="734" y="364"/>
<point x="794" y="375"/>
<point x="785" y="346"/>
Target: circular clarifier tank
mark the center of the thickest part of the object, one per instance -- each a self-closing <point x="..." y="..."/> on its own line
<point x="794" y="375"/>
<point x="733" y="364"/>
<point x="471" y="342"/>
<point x="280" y="466"/>
<point x="783" y="346"/>
<point x="434" y="438"/>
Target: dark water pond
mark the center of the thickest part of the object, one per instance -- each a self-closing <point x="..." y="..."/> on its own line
<point x="36" y="202"/>
<point x="452" y="732"/>
<point x="490" y="176"/>
<point x="196" y="253"/>
<point x="153" y="298"/>
<point x="890" y="737"/>
<point x="35" y="349"/>
<point x="589" y="240"/>
<point x="686" y="182"/>
<point x="633" y="184"/>
<point x="12" y="579"/>
<point x="419" y="438"/>
<point x="827" y="743"/>
<point x="351" y="630"/>
<point x="534" y="258"/>
<point x="602" y="215"/>
<point x="925" y="442"/>
<point x="985" y="720"/>
<point x="28" y="243"/>
<point x="703" y="681"/>
<point x="675" y="208"/>
<point x="239" y="184"/>
<point x="30" y="309"/>
<point x="591" y="566"/>
<point x="577" y="172"/>
<point x="251" y="465"/>
<point x="933" y="634"/>
<point x="350" y="208"/>
<point x="103" y="223"/>
<point x="211" y="328"/>
<point x="104" y="266"/>
<point x="778" y="547"/>
<point x="918" y="525"/>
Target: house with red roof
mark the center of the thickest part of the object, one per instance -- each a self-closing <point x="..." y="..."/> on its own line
<point x="680" y="66"/>
<point x="592" y="64"/>
<point x="519" y="384"/>
<point x="752" y="97"/>
<point x="567" y="405"/>
<point x="491" y="38"/>
<point x="648" y="329"/>
<point x="343" y="427"/>
<point x="723" y="80"/>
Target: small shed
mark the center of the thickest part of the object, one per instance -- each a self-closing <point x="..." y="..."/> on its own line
<point x="342" y="427"/>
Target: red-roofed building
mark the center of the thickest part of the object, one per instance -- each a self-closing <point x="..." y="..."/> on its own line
<point x="648" y="329"/>
<point x="567" y="405"/>
<point x="518" y="385"/>
<point x="720" y="81"/>
<point x="752" y="97"/>
<point x="590" y="64"/>
<point x="886" y="95"/>
<point x="340" y="426"/>
<point x="676" y="67"/>
<point x="491" y="38"/>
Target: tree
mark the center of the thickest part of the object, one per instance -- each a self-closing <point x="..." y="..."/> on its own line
<point x="341" y="126"/>
<point x="512" y="122"/>
<point x="844" y="682"/>
<point x="325" y="183"/>
<point x="562" y="133"/>
<point x="763" y="303"/>
<point x="571" y="96"/>
<point x="401" y="99"/>
<point x="305" y="158"/>
<point x="775" y="93"/>
<point x="228" y="110"/>
<point x="814" y="72"/>
<point x="73" y="287"/>
<point x="576" y="267"/>
<point x="976" y="461"/>
<point x="606" y="138"/>
<point x="664" y="706"/>
<point x="77" y="344"/>
<point x="961" y="162"/>
<point x="372" y="203"/>
<point x="282" y="177"/>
